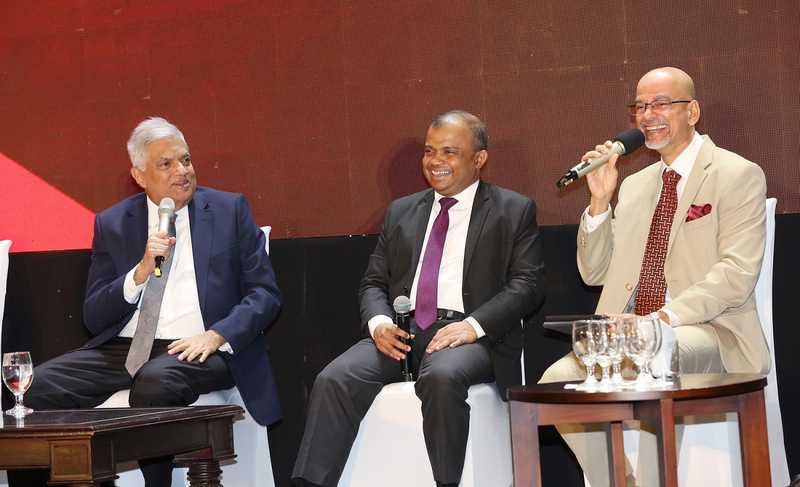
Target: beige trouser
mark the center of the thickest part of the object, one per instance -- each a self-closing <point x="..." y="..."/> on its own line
<point x="699" y="353"/>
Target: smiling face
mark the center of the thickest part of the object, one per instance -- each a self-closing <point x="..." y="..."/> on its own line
<point x="168" y="172"/>
<point x="670" y="130"/>
<point x="450" y="162"/>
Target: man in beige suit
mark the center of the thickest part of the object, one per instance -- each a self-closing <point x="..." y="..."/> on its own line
<point x="711" y="244"/>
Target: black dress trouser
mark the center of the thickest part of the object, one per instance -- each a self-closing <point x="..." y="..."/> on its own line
<point x="345" y="389"/>
<point x="84" y="378"/>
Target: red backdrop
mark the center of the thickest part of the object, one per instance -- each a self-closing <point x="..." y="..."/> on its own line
<point x="317" y="110"/>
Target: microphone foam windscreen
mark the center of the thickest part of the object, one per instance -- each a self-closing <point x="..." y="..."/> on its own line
<point x="167" y="204"/>
<point x="632" y="139"/>
<point x="402" y="305"/>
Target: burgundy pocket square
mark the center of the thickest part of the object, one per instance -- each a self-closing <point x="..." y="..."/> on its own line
<point x="698" y="211"/>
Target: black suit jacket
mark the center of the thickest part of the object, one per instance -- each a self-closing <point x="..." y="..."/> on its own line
<point x="235" y="284"/>
<point x="503" y="267"/>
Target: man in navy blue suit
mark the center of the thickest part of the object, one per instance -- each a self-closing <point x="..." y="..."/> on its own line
<point x="217" y="298"/>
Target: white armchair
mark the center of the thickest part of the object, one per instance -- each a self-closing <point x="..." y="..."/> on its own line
<point x="252" y="467"/>
<point x="716" y="440"/>
<point x="392" y="428"/>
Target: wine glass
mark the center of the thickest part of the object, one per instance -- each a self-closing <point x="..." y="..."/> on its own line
<point x="603" y="351"/>
<point x="616" y="349"/>
<point x="584" y="347"/>
<point x="641" y="342"/>
<point x="18" y="375"/>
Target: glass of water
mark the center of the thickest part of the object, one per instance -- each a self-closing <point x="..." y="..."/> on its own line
<point x="583" y="345"/>
<point x="17" y="376"/>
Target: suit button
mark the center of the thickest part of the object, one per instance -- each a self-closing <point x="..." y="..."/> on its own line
<point x="628" y="286"/>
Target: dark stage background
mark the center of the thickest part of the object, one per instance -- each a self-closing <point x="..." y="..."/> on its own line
<point x="316" y="109"/>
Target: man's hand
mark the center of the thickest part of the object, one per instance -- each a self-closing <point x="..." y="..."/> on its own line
<point x="387" y="340"/>
<point x="452" y="335"/>
<point x="158" y="244"/>
<point x="196" y="347"/>
<point x="602" y="181"/>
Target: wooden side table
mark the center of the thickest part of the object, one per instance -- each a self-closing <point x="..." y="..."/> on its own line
<point x="697" y="394"/>
<point x="82" y="447"/>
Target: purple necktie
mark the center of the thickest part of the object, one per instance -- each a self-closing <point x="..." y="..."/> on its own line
<point x="428" y="284"/>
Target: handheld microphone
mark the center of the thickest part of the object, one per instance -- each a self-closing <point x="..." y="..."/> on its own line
<point x="402" y="308"/>
<point x="624" y="143"/>
<point x="166" y="212"/>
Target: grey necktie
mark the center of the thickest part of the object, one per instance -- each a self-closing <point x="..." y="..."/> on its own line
<point x="142" y="342"/>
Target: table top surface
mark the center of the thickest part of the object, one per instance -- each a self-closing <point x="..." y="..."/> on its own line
<point x="690" y="386"/>
<point x="108" y="419"/>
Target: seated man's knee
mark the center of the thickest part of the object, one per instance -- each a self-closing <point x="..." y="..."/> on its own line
<point x="156" y="388"/>
<point x="567" y="368"/>
<point x="440" y="382"/>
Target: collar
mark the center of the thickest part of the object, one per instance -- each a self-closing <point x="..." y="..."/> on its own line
<point x="685" y="161"/>
<point x="465" y="198"/>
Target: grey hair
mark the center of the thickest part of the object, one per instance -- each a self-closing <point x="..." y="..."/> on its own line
<point x="480" y="135"/>
<point x="149" y="130"/>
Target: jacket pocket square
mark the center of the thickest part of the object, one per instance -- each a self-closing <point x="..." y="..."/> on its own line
<point x="698" y="211"/>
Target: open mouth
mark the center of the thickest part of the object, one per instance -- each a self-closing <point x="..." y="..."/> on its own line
<point x="441" y="173"/>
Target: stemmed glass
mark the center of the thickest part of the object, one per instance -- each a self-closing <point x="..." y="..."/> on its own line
<point x="642" y="339"/>
<point x="603" y="350"/>
<point x="584" y="347"/>
<point x="616" y="350"/>
<point x="18" y="375"/>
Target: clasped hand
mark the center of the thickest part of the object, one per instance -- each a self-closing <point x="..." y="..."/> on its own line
<point x="158" y="245"/>
<point x="388" y="339"/>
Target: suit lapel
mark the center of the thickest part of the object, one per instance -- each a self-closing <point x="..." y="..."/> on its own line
<point x="693" y="184"/>
<point x="137" y="215"/>
<point x="422" y="213"/>
<point x="201" y="220"/>
<point x="481" y="208"/>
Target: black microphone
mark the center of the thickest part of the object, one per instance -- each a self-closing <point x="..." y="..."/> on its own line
<point x="402" y="308"/>
<point x="166" y="212"/>
<point x="624" y="143"/>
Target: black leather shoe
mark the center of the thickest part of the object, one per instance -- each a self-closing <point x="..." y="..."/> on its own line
<point x="795" y="482"/>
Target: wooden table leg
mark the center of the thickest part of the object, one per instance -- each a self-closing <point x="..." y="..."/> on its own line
<point x="660" y="414"/>
<point x="204" y="473"/>
<point x="525" y="444"/>
<point x="616" y="454"/>
<point x="753" y="439"/>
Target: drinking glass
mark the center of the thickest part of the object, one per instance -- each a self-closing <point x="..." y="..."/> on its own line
<point x="18" y="375"/>
<point x="603" y="351"/>
<point x="641" y="343"/>
<point x="616" y="349"/>
<point x="584" y="347"/>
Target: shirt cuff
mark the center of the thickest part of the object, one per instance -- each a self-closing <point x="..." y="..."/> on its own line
<point x="377" y="320"/>
<point x="590" y="223"/>
<point x="130" y="290"/>
<point x="673" y="318"/>
<point x="476" y="326"/>
<point x="226" y="347"/>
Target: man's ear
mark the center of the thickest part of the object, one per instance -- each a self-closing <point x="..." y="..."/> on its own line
<point x="480" y="158"/>
<point x="137" y="176"/>
<point x="694" y="112"/>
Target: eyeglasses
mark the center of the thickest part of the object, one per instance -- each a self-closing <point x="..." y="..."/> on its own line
<point x="659" y="105"/>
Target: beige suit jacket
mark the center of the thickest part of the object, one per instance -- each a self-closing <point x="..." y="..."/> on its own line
<point x="712" y="262"/>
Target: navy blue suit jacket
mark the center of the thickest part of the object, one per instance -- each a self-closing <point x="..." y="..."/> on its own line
<point x="235" y="283"/>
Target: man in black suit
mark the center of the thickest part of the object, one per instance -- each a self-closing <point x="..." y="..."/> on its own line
<point x="469" y="256"/>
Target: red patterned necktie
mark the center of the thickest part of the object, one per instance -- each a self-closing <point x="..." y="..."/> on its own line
<point x="652" y="285"/>
<point x="428" y="283"/>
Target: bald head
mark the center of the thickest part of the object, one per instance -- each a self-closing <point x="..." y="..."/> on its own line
<point x="681" y="81"/>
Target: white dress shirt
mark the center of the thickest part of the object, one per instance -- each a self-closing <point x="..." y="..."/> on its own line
<point x="180" y="315"/>
<point x="683" y="165"/>
<point x="451" y="269"/>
